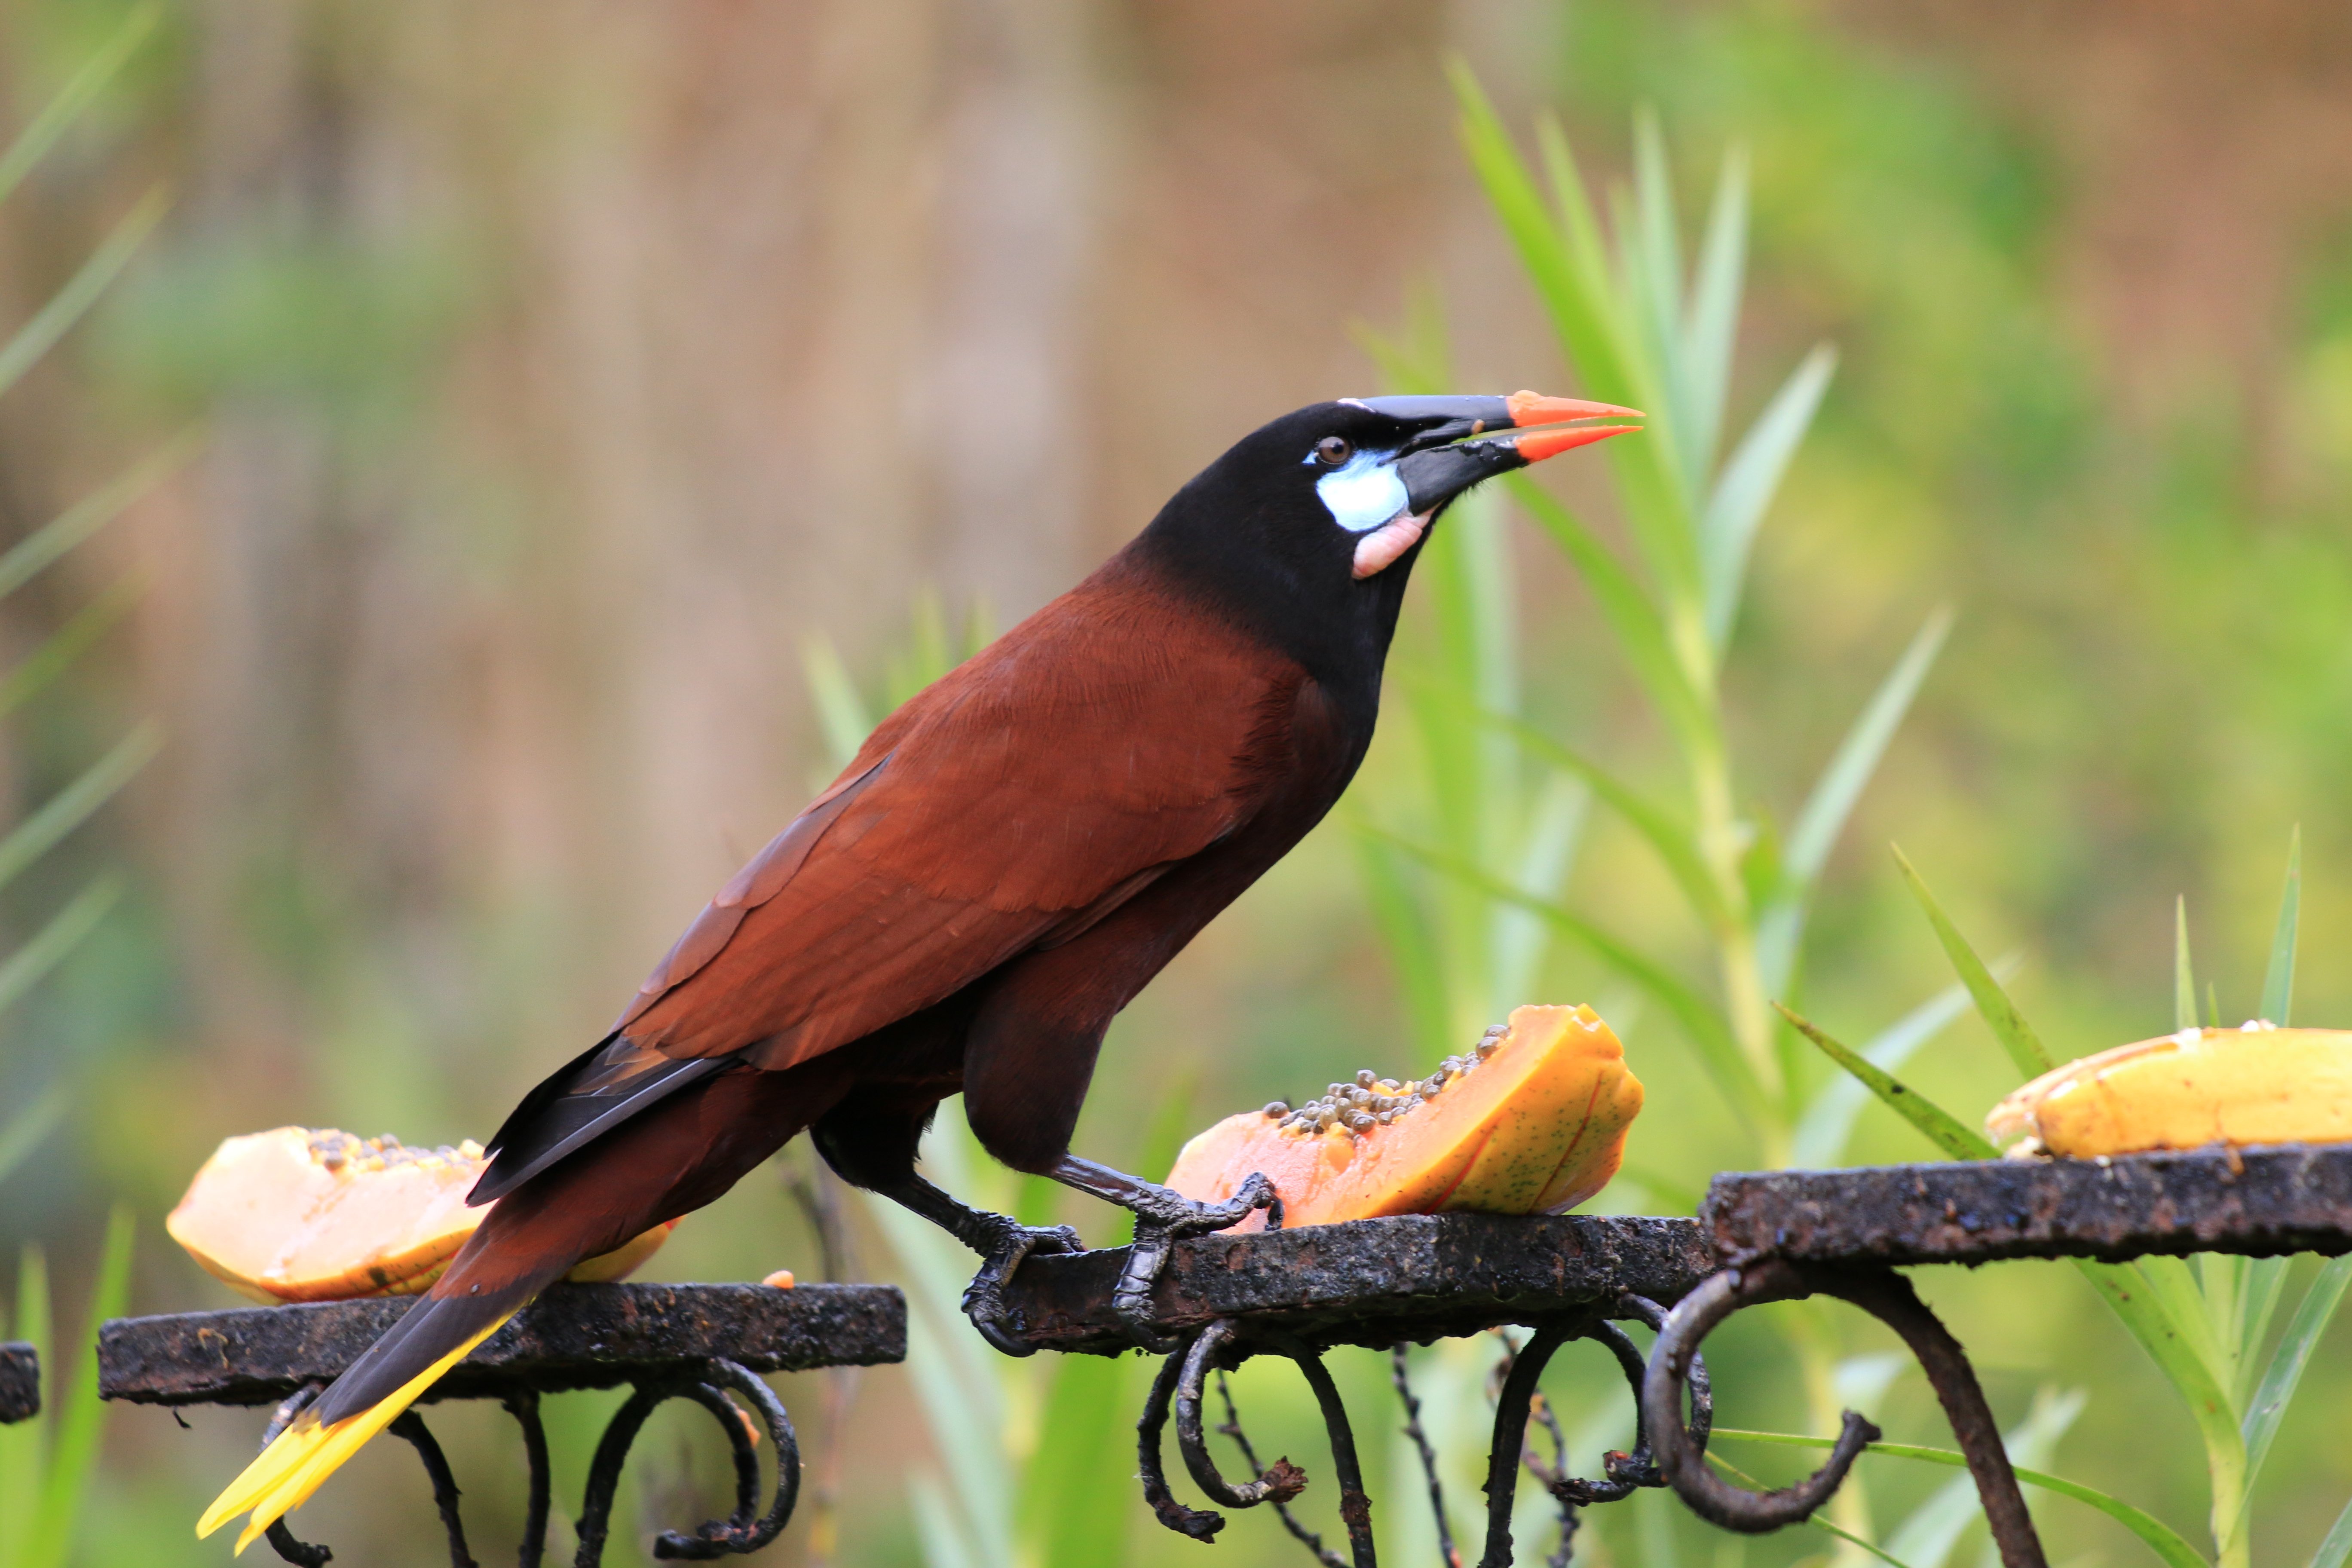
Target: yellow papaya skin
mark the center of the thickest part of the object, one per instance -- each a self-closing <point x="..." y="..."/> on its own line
<point x="1534" y="1120"/>
<point x="302" y="1215"/>
<point x="2251" y="1085"/>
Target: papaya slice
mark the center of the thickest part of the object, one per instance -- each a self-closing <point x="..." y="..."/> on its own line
<point x="302" y="1215"/>
<point x="2255" y="1084"/>
<point x="1532" y="1120"/>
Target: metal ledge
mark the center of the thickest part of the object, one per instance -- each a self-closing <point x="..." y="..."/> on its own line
<point x="20" y="1382"/>
<point x="1370" y="1283"/>
<point x="2290" y="1198"/>
<point x="574" y="1336"/>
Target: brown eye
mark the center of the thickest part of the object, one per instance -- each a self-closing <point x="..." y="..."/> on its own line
<point x="1333" y="451"/>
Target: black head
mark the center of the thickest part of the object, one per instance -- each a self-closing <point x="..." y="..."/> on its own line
<point x="1307" y="528"/>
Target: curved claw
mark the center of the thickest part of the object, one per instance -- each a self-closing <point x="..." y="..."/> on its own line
<point x="983" y="1298"/>
<point x="1168" y="1219"/>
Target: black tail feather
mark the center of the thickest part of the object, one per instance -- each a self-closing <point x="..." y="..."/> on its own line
<point x="427" y="1332"/>
<point x="553" y="1121"/>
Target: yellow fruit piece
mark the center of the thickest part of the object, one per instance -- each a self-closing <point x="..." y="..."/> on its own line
<point x="299" y="1215"/>
<point x="1533" y="1121"/>
<point x="2251" y="1085"/>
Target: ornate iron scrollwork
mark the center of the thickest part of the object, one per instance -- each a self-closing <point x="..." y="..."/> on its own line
<point x="747" y="1528"/>
<point x="1225" y="1343"/>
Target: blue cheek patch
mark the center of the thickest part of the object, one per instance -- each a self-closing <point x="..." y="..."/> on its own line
<point x="1365" y="493"/>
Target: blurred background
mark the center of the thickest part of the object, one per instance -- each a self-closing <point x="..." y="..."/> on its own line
<point x="559" y="375"/>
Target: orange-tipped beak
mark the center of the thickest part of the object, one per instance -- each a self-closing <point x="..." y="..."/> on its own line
<point x="1530" y="408"/>
<point x="1537" y="445"/>
<point x="1465" y="440"/>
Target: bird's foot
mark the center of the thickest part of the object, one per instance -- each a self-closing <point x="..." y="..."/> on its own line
<point x="1162" y="1218"/>
<point x="1006" y="1244"/>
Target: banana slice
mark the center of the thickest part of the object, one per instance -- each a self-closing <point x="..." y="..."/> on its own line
<point x="2257" y="1084"/>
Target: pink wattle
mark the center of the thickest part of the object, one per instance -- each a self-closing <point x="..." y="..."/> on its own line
<point x="1380" y="548"/>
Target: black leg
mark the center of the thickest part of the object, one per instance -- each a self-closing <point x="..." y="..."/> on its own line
<point x="1162" y="1218"/>
<point x="1001" y="1241"/>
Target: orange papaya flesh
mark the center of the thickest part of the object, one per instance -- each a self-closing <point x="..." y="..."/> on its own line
<point x="1532" y="1120"/>
<point x="302" y="1215"/>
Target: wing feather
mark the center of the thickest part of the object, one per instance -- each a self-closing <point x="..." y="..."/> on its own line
<point x="1020" y="797"/>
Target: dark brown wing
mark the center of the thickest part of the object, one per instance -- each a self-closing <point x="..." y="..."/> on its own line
<point x="1011" y="805"/>
<point x="1109" y="736"/>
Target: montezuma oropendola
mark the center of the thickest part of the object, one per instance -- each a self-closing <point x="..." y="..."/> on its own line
<point x="1008" y="860"/>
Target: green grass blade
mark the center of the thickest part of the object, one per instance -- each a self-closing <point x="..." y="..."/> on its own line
<point x="2145" y="1314"/>
<point x="81" y="1415"/>
<point x="2278" y="979"/>
<point x="2311" y="1318"/>
<point x="1744" y="491"/>
<point x="2265" y="1279"/>
<point x="25" y="1446"/>
<point x="65" y="307"/>
<point x="1073" y="1504"/>
<point x="2009" y="1026"/>
<point x="1817" y="1520"/>
<point x="1574" y="295"/>
<point x="59" y="650"/>
<point x="841" y="713"/>
<point x="70" y="806"/>
<point x="28" y="1125"/>
<point x="1698" y="1018"/>
<point x="2337" y="1543"/>
<point x="1712" y="332"/>
<point x="2176" y="1285"/>
<point x="940" y="1533"/>
<point x="1653" y="269"/>
<point x="2184" y="978"/>
<point x="25" y="968"/>
<point x="955" y="1382"/>
<point x="1633" y="619"/>
<point x="1928" y="1535"/>
<point x="1668" y="838"/>
<point x="1828" y="1121"/>
<point x="2161" y="1537"/>
<point x="1939" y="1126"/>
<point x="1411" y="945"/>
<point x="1823" y="815"/>
<point x="85" y="517"/>
<point x="1600" y="353"/>
<point x="88" y="81"/>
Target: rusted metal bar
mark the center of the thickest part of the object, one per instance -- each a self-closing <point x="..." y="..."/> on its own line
<point x="1682" y="1462"/>
<point x="1281" y="1480"/>
<point x="1428" y="1455"/>
<point x="596" y="1521"/>
<point x="20" y="1382"/>
<point x="1216" y="1348"/>
<point x="742" y="1532"/>
<point x="1886" y="1296"/>
<point x="1511" y="1432"/>
<point x="1368" y="1282"/>
<point x="574" y="1336"/>
<point x="1355" y="1503"/>
<point x="2293" y="1198"/>
<point x="1200" y="1524"/>
<point x="1309" y="1539"/>
<point x="662" y="1340"/>
<point x="411" y="1425"/>
<point x="524" y="1408"/>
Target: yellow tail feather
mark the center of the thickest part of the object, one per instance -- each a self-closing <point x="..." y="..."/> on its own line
<point x="283" y="1476"/>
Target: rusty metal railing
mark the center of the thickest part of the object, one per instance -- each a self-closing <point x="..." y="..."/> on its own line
<point x="1770" y="1237"/>
<point x="704" y="1343"/>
